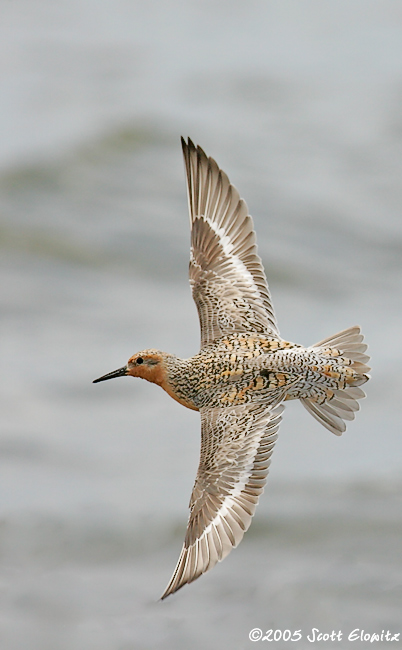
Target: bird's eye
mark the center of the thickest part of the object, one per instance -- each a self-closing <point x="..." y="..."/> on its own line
<point x="140" y="360"/>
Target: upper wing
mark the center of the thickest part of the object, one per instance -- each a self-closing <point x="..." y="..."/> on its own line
<point x="226" y="274"/>
<point x="236" y="447"/>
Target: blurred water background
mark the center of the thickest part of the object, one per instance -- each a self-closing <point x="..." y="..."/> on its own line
<point x="300" y="103"/>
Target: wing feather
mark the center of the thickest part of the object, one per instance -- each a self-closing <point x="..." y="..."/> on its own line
<point x="226" y="274"/>
<point x="236" y="448"/>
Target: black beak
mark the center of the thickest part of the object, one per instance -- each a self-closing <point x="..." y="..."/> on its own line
<point x="121" y="372"/>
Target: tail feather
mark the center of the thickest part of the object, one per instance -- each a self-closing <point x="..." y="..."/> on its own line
<point x="330" y="421"/>
<point x="349" y="342"/>
<point x="351" y="334"/>
<point x="342" y="405"/>
<point x="345" y="410"/>
<point x="352" y="393"/>
<point x="361" y="369"/>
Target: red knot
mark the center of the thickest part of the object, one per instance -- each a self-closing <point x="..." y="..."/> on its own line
<point x="243" y="372"/>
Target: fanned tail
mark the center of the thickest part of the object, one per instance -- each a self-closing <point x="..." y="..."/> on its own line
<point x="342" y="405"/>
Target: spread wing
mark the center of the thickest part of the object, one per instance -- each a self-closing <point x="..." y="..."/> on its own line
<point x="226" y="274"/>
<point x="236" y="448"/>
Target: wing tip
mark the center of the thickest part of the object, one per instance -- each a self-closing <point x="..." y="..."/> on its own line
<point x="189" y="144"/>
<point x="170" y="590"/>
<point x="190" y="148"/>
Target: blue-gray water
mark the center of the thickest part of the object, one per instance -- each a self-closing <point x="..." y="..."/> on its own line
<point x="300" y="102"/>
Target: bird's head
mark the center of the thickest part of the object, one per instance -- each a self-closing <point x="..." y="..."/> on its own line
<point x="148" y="364"/>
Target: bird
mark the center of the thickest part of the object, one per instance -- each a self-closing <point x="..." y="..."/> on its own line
<point x="243" y="373"/>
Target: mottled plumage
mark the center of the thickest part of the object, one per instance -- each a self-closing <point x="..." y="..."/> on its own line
<point x="243" y="372"/>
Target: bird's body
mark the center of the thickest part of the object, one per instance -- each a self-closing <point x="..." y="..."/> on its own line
<point x="243" y="371"/>
<point x="240" y="369"/>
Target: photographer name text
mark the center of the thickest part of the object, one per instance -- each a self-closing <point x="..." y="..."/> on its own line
<point x="316" y="635"/>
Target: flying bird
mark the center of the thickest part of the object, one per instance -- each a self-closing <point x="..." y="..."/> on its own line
<point x="243" y="372"/>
